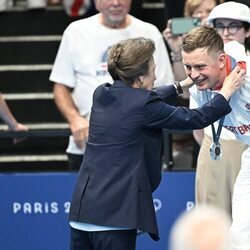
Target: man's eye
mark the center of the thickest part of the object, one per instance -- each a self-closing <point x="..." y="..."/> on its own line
<point x="200" y="67"/>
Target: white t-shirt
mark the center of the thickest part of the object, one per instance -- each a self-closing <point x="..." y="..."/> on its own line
<point x="238" y="121"/>
<point x="81" y="61"/>
<point x="198" y="98"/>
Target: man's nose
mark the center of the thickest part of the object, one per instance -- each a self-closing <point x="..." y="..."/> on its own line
<point x="115" y="2"/>
<point x="194" y="73"/>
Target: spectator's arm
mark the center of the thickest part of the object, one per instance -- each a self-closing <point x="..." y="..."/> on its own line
<point x="8" y="118"/>
<point x="79" y="125"/>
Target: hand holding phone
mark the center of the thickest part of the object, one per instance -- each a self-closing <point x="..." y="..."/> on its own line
<point x="181" y="25"/>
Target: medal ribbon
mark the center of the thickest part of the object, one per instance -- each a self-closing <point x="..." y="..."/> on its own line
<point x="216" y="135"/>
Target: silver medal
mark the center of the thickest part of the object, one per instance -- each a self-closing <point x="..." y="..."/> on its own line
<point x="215" y="151"/>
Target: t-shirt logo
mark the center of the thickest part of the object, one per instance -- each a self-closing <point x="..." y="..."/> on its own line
<point x="102" y="69"/>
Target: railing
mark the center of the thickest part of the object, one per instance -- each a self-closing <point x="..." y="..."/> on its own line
<point x="65" y="132"/>
<point x="35" y="133"/>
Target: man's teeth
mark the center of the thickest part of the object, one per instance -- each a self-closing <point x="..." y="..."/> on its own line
<point x="199" y="81"/>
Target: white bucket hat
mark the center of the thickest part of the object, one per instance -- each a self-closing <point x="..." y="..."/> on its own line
<point x="230" y="10"/>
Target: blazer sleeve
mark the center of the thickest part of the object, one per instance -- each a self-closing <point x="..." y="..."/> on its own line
<point x="161" y="115"/>
<point x="167" y="93"/>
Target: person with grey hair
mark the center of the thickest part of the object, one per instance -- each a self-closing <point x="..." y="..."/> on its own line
<point x="122" y="164"/>
<point x="202" y="228"/>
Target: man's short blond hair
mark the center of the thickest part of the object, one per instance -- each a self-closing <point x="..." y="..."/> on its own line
<point x="203" y="37"/>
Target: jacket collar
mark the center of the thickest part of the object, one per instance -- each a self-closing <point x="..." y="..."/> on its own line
<point x="120" y="83"/>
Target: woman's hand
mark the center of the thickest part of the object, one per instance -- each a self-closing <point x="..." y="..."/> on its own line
<point x="233" y="82"/>
<point x="183" y="86"/>
<point x="186" y="84"/>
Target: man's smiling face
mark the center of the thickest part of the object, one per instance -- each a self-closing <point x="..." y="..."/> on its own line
<point x="206" y="70"/>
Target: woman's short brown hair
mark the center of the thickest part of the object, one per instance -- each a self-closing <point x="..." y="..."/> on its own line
<point x="130" y="58"/>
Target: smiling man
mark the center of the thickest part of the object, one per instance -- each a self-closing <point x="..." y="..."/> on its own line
<point x="215" y="179"/>
<point x="207" y="64"/>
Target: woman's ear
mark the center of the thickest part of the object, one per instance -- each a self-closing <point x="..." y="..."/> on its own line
<point x="141" y="79"/>
<point x="247" y="35"/>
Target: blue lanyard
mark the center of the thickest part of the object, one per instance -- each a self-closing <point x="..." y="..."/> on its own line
<point x="216" y="135"/>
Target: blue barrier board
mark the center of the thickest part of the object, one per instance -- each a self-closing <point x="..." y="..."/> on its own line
<point x="34" y="209"/>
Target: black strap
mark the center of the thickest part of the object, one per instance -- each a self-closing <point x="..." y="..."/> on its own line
<point x="216" y="135"/>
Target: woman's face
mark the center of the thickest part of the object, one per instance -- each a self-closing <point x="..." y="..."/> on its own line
<point x="204" y="9"/>
<point x="231" y="30"/>
<point x="149" y="78"/>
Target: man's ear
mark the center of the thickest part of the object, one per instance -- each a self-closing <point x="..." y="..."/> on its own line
<point x="222" y="60"/>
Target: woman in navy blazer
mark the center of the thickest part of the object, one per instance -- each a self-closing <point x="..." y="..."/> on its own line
<point x="123" y="159"/>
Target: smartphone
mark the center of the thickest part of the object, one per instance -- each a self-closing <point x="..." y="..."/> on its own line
<point x="181" y="25"/>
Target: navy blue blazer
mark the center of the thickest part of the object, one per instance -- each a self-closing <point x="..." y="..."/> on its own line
<point x="123" y="159"/>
